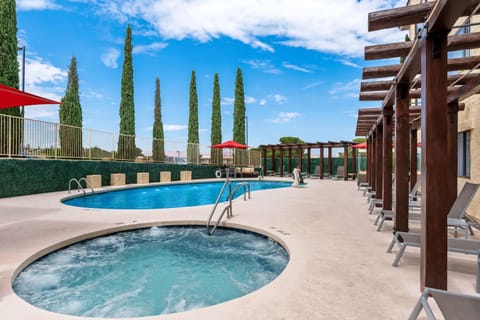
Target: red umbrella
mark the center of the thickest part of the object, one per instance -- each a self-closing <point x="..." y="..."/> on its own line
<point x="11" y="97"/>
<point x="362" y="145"/>
<point x="230" y="144"/>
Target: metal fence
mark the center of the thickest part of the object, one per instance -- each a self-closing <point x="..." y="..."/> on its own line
<point x="28" y="138"/>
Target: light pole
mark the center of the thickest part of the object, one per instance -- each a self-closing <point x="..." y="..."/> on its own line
<point x="246" y="130"/>
<point x="22" y="48"/>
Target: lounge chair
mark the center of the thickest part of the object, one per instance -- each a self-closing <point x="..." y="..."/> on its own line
<point x="455" y="217"/>
<point x="452" y="305"/>
<point x="316" y="173"/>
<point x="406" y="239"/>
<point x="340" y="173"/>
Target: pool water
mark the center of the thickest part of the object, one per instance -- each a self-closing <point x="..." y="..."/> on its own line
<point x="151" y="271"/>
<point x="166" y="196"/>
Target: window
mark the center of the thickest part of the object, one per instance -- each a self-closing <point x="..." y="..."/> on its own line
<point x="464" y="154"/>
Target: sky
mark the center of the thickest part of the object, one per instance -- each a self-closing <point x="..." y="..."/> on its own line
<point x="301" y="62"/>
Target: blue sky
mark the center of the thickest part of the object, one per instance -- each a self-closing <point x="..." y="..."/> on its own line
<point x="301" y="61"/>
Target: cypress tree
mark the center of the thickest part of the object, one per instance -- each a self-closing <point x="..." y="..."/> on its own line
<point x="239" y="117"/>
<point x="9" y="71"/>
<point x="126" y="141"/>
<point x="70" y="115"/>
<point x="158" y="138"/>
<point x="193" y="140"/>
<point x="216" y="155"/>
<point x="239" y="110"/>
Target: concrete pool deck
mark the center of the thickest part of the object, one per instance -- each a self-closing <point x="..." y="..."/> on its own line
<point x="338" y="268"/>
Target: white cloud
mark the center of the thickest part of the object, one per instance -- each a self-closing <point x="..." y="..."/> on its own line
<point x="313" y="85"/>
<point x="338" y="27"/>
<point x="264" y="65"/>
<point x="283" y="117"/>
<point x="278" y="98"/>
<point x="295" y="67"/>
<point x="110" y="57"/>
<point x="262" y="102"/>
<point x="36" y="5"/>
<point x="174" y="127"/>
<point x="250" y="99"/>
<point x="46" y="80"/>
<point x="149" y="49"/>
<point x="349" y="63"/>
<point x="227" y="101"/>
<point x="345" y="89"/>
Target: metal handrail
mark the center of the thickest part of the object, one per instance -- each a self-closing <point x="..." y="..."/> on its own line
<point x="79" y="185"/>
<point x="212" y="230"/>
<point x="228" y="208"/>
<point x="246" y="188"/>
<point x="87" y="184"/>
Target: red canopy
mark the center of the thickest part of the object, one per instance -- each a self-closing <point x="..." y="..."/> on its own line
<point x="11" y="97"/>
<point x="362" y="145"/>
<point x="230" y="144"/>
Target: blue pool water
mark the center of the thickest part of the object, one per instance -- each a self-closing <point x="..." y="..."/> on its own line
<point x="166" y="196"/>
<point x="151" y="271"/>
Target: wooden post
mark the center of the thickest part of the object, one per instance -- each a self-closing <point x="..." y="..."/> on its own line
<point x="281" y="162"/>
<point x="373" y="165"/>
<point x="309" y="160"/>
<point x="274" y="167"/>
<point x="452" y="152"/>
<point x="354" y="163"/>
<point x="433" y="251"/>
<point x="413" y="158"/>
<point x="401" y="158"/>
<point x="289" y="161"/>
<point x="379" y="163"/>
<point x="321" y="162"/>
<point x="345" y="162"/>
<point x="369" y="159"/>
<point x="264" y="150"/>
<point x="329" y="162"/>
<point x="387" y="157"/>
<point x="300" y="164"/>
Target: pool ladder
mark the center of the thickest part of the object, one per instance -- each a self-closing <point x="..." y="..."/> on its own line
<point x="79" y="185"/>
<point x="228" y="208"/>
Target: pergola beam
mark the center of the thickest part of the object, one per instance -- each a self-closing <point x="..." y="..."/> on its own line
<point x="397" y="17"/>
<point x="455" y="64"/>
<point x="401" y="49"/>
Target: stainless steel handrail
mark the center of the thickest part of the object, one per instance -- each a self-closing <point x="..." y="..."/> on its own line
<point x="228" y="208"/>
<point x="79" y="185"/>
<point x="87" y="185"/>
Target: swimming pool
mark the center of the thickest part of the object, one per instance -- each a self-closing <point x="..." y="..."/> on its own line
<point x="166" y="196"/>
<point x="151" y="271"/>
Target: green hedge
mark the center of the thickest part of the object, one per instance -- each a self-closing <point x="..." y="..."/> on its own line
<point x="30" y="176"/>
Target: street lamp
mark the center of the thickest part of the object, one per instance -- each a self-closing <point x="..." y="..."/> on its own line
<point x="23" y="75"/>
<point x="246" y="130"/>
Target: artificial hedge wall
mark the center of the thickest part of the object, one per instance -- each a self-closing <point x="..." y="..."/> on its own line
<point x="30" y="176"/>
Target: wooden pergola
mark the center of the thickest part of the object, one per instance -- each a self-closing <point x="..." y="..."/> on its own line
<point x="423" y="74"/>
<point x="281" y="148"/>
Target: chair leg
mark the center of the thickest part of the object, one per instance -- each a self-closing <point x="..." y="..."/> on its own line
<point x="399" y="255"/>
<point x="380" y="225"/>
<point x="390" y="247"/>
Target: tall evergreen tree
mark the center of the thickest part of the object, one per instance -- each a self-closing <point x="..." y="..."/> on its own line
<point x="9" y="70"/>
<point x="193" y="140"/>
<point x="126" y="141"/>
<point x="70" y="115"/>
<point x="239" y="110"/>
<point x="158" y="138"/>
<point x="239" y="117"/>
<point x="216" y="156"/>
